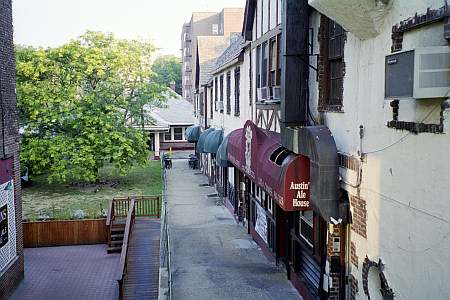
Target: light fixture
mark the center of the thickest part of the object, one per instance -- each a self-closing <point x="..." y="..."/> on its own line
<point x="9" y="186"/>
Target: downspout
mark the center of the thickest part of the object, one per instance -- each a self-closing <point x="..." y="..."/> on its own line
<point x="3" y="120"/>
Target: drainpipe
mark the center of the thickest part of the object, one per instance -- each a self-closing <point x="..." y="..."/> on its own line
<point x="3" y="120"/>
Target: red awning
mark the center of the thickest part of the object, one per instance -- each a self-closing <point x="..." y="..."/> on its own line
<point x="282" y="174"/>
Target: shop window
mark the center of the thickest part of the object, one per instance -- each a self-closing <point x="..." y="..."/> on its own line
<point x="253" y="187"/>
<point x="306" y="224"/>
<point x="279" y="155"/>
<point x="257" y="194"/>
<point x="178" y="134"/>
<point x="168" y="135"/>
<point x="270" y="205"/>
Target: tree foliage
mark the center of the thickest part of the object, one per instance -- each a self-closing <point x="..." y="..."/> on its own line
<point x="76" y="101"/>
<point x="168" y="71"/>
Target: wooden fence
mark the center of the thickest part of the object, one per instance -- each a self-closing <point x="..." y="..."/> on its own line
<point x="64" y="233"/>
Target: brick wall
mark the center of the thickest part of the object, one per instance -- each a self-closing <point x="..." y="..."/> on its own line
<point x="359" y="215"/>
<point x="353" y="257"/>
<point x="11" y="278"/>
<point x="354" y="289"/>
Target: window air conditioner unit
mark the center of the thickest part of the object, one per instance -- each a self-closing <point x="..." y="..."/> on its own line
<point x="275" y="93"/>
<point x="263" y="94"/>
<point x="220" y="105"/>
<point x="422" y="73"/>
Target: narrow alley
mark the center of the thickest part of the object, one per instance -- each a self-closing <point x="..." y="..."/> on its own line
<point x="212" y="256"/>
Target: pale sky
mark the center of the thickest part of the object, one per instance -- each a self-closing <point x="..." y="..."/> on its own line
<point x="49" y="23"/>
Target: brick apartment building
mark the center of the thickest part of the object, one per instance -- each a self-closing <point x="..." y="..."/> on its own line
<point x="224" y="23"/>
<point x="11" y="246"/>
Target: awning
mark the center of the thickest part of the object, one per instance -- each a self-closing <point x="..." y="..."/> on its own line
<point x="192" y="133"/>
<point x="202" y="140"/>
<point x="222" y="154"/>
<point x="281" y="173"/>
<point x="213" y="141"/>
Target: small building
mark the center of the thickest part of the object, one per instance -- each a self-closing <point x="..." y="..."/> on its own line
<point x="11" y="243"/>
<point x="168" y="124"/>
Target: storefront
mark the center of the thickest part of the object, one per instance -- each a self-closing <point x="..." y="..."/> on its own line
<point x="272" y="189"/>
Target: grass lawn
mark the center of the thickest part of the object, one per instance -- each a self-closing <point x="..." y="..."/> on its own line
<point x="60" y="201"/>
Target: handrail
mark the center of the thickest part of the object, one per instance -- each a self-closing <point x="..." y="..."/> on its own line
<point x="149" y="206"/>
<point x="109" y="216"/>
<point x="123" y="255"/>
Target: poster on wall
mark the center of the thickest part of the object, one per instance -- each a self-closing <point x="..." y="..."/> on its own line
<point x="3" y="225"/>
<point x="261" y="222"/>
<point x="7" y="222"/>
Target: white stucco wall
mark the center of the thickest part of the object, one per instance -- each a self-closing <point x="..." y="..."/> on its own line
<point x="407" y="185"/>
<point x="230" y="122"/>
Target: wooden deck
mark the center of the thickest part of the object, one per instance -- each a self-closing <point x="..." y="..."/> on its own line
<point x="142" y="278"/>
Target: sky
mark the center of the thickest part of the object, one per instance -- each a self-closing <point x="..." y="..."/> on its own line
<point x="50" y="23"/>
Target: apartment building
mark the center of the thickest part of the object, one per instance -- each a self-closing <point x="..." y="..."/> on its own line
<point x="336" y="161"/>
<point x="223" y="23"/>
<point x="11" y="245"/>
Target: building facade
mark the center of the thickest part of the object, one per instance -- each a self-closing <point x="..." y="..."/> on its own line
<point x="335" y="157"/>
<point x="224" y="23"/>
<point x="11" y="243"/>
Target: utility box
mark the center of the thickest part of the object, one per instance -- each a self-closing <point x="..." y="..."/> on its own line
<point x="422" y="73"/>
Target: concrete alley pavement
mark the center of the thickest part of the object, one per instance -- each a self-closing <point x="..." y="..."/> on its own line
<point x="212" y="256"/>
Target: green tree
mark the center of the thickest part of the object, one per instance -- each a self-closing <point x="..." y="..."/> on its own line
<point x="76" y="102"/>
<point x="168" y="70"/>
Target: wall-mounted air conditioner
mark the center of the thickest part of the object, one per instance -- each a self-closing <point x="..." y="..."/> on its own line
<point x="275" y="93"/>
<point x="263" y="94"/>
<point x="422" y="73"/>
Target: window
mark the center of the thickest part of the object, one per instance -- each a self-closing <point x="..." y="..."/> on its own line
<point x="228" y="92"/>
<point x="178" y="133"/>
<point x="221" y="93"/>
<point x="275" y="61"/>
<point x="216" y="93"/>
<point x="168" y="135"/>
<point x="211" y="110"/>
<point x="237" y="91"/>
<point x="332" y="42"/>
<point x="202" y="106"/>
<point x="306" y="224"/>
<point x="270" y="205"/>
<point x="264" y="64"/>
<point x="279" y="155"/>
<point x="215" y="29"/>
<point x="258" y="67"/>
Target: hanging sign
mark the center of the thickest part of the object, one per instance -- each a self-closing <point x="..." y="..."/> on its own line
<point x="3" y="225"/>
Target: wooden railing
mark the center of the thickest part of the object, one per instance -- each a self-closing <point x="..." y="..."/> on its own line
<point x="124" y="254"/>
<point x="146" y="206"/>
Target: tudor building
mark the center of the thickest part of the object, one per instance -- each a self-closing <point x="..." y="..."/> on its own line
<point x="348" y="105"/>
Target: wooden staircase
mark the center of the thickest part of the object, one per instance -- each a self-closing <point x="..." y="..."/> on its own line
<point x="115" y="240"/>
<point x="145" y="206"/>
